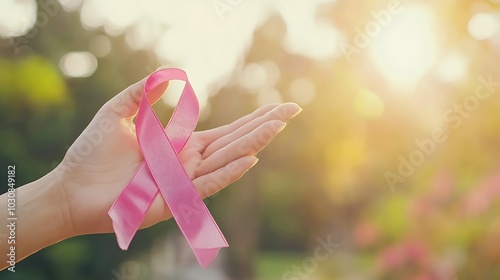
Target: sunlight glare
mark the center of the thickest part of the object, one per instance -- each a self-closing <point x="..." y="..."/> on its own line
<point x="16" y="17"/>
<point x="368" y="104"/>
<point x="453" y="67"/>
<point x="70" y="5"/>
<point x="268" y="95"/>
<point x="302" y="91"/>
<point x="208" y="44"/>
<point x="318" y="39"/>
<point x="407" y="48"/>
<point x="483" y="26"/>
<point x="78" y="64"/>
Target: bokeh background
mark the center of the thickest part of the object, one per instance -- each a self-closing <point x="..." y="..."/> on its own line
<point x="394" y="159"/>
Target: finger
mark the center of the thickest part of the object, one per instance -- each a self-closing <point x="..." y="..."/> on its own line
<point x="206" y="186"/>
<point x="282" y="112"/>
<point x="211" y="135"/>
<point x="215" y="181"/>
<point x="159" y="211"/>
<point x="248" y="145"/>
<point x="126" y="103"/>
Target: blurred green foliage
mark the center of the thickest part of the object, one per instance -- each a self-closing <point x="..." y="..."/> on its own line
<point x="323" y="176"/>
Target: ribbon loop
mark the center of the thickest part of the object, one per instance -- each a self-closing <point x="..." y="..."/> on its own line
<point x="162" y="172"/>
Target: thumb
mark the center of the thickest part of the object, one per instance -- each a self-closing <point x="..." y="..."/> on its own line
<point x="126" y="103"/>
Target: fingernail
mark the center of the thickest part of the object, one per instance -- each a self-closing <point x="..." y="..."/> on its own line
<point x="297" y="110"/>
<point x="255" y="160"/>
<point x="281" y="127"/>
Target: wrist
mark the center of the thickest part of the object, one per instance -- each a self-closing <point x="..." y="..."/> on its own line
<point x="55" y="194"/>
<point x="41" y="215"/>
<point x="37" y="220"/>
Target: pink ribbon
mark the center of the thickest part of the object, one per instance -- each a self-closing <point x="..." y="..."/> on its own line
<point x="162" y="171"/>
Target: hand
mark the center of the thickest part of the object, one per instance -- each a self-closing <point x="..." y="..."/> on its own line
<point x="105" y="156"/>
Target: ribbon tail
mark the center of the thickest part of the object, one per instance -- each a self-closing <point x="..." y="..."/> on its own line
<point x="131" y="206"/>
<point x="203" y="236"/>
<point x="206" y="256"/>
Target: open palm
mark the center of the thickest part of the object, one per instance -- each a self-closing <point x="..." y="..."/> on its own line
<point x="105" y="156"/>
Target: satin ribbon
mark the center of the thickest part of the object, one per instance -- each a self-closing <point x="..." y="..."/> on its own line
<point x="162" y="172"/>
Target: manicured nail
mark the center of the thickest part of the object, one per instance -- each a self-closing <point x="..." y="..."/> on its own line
<point x="296" y="113"/>
<point x="281" y="127"/>
<point x="255" y="160"/>
<point x="293" y="109"/>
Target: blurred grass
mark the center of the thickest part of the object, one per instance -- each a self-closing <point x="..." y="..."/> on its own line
<point x="272" y="265"/>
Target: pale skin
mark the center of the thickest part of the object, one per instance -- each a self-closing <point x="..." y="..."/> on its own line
<point x="75" y="202"/>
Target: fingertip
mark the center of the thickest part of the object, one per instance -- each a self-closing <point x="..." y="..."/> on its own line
<point x="293" y="109"/>
<point x="277" y="125"/>
<point x="298" y="111"/>
<point x="287" y="111"/>
<point x="254" y="161"/>
<point x="281" y="127"/>
<point x="247" y="162"/>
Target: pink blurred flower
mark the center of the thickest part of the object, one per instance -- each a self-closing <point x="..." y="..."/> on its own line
<point x="421" y="208"/>
<point x="392" y="257"/>
<point x="410" y="252"/>
<point x="440" y="191"/>
<point x="492" y="185"/>
<point x="416" y="251"/>
<point x="422" y="276"/>
<point x="366" y="234"/>
<point x="442" y="187"/>
<point x="477" y="203"/>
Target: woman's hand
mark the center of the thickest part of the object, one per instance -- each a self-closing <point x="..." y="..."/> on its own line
<point x="75" y="197"/>
<point x="105" y="156"/>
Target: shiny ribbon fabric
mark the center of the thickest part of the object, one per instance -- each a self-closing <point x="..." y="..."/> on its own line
<point x="162" y="172"/>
